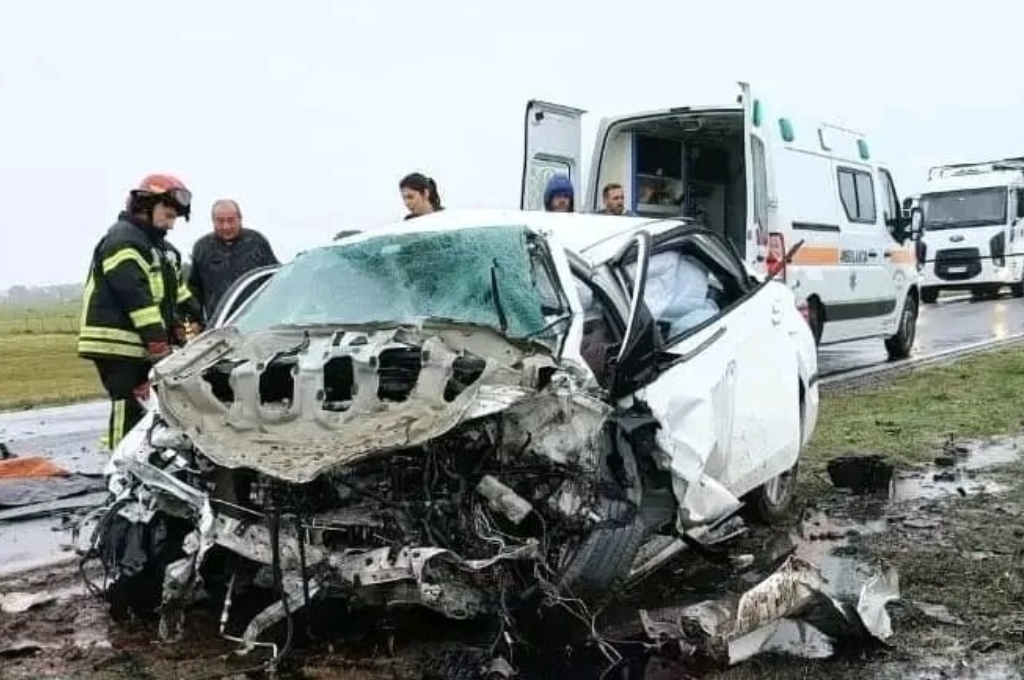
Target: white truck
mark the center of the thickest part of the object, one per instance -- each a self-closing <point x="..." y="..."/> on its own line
<point x="972" y="231"/>
<point x="766" y="182"/>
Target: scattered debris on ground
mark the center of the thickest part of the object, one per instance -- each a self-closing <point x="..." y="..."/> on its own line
<point x="956" y="543"/>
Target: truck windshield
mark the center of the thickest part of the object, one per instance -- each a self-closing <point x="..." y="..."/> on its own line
<point x="491" y="276"/>
<point x="968" y="208"/>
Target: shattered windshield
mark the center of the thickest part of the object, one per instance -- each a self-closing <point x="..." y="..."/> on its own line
<point x="492" y="276"/>
<point x="969" y="208"/>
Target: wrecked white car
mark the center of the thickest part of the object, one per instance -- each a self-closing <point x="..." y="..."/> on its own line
<point x="468" y="412"/>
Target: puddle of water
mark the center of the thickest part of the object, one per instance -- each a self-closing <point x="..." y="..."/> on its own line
<point x="963" y="477"/>
<point x="942" y="484"/>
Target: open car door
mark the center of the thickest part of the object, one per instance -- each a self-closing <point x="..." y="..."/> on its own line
<point x="552" y="138"/>
<point x="725" y="388"/>
<point x="759" y="200"/>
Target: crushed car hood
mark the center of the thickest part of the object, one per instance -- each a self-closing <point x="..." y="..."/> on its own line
<point x="293" y="404"/>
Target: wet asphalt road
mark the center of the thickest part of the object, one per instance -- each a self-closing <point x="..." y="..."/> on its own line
<point x="70" y="435"/>
<point x="954" y="322"/>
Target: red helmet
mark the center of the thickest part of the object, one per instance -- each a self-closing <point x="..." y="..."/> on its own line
<point x="168" y="188"/>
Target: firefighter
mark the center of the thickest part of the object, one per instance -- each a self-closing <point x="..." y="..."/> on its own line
<point x="136" y="305"/>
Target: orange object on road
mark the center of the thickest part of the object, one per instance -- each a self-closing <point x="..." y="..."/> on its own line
<point x="32" y="466"/>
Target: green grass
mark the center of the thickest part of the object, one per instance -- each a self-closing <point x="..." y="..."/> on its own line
<point x="907" y="418"/>
<point x="37" y="370"/>
<point x="38" y="363"/>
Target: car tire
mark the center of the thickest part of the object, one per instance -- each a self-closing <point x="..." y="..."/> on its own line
<point x="137" y="555"/>
<point x="900" y="345"/>
<point x="770" y="502"/>
<point x="1017" y="289"/>
<point x="601" y="562"/>
<point x="929" y="296"/>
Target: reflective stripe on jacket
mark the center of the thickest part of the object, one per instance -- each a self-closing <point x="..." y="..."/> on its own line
<point x="134" y="293"/>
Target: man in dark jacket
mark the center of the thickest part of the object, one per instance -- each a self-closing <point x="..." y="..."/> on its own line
<point x="136" y="304"/>
<point x="221" y="257"/>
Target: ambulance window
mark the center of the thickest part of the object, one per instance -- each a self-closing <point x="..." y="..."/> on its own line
<point x="857" y="191"/>
<point x="760" y="176"/>
<point x="539" y="172"/>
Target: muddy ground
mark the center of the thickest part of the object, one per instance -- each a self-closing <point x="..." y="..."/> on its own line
<point x="954" y="532"/>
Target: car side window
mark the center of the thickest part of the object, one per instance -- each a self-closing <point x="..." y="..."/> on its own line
<point x="599" y="333"/>
<point x="683" y="291"/>
<point x="240" y="293"/>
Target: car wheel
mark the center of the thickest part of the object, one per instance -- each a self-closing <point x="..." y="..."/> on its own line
<point x="929" y="296"/>
<point x="136" y="555"/>
<point x="900" y="345"/>
<point x="770" y="502"/>
<point x="601" y="561"/>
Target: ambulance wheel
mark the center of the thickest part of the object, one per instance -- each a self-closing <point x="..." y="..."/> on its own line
<point x="899" y="345"/>
<point x="1017" y="289"/>
<point x="929" y="296"/>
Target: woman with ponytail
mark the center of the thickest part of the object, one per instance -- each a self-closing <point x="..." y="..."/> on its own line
<point x="420" y="195"/>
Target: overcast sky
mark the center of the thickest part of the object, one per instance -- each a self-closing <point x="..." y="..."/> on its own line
<point x="309" y="113"/>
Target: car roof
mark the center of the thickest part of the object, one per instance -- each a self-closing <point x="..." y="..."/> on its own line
<point x="595" y="238"/>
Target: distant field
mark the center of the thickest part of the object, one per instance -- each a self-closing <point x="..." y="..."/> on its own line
<point x="56" y="318"/>
<point x="38" y="363"/>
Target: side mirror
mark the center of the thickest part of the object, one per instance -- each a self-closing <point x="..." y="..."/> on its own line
<point x="640" y="341"/>
<point x="916" y="222"/>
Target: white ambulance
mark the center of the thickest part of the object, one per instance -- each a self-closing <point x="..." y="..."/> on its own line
<point x="973" y="234"/>
<point x="767" y="181"/>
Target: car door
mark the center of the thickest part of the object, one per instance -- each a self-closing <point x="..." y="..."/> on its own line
<point x="240" y="292"/>
<point x="727" y="390"/>
<point x="552" y="145"/>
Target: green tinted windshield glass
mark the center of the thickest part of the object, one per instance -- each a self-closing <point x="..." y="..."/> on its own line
<point x="493" y="276"/>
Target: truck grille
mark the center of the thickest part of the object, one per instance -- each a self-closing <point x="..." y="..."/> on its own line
<point x="957" y="264"/>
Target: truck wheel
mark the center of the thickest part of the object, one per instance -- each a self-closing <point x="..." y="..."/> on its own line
<point x="929" y="296"/>
<point x="899" y="345"/>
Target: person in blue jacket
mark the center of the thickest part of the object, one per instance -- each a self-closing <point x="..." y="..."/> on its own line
<point x="559" y="195"/>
